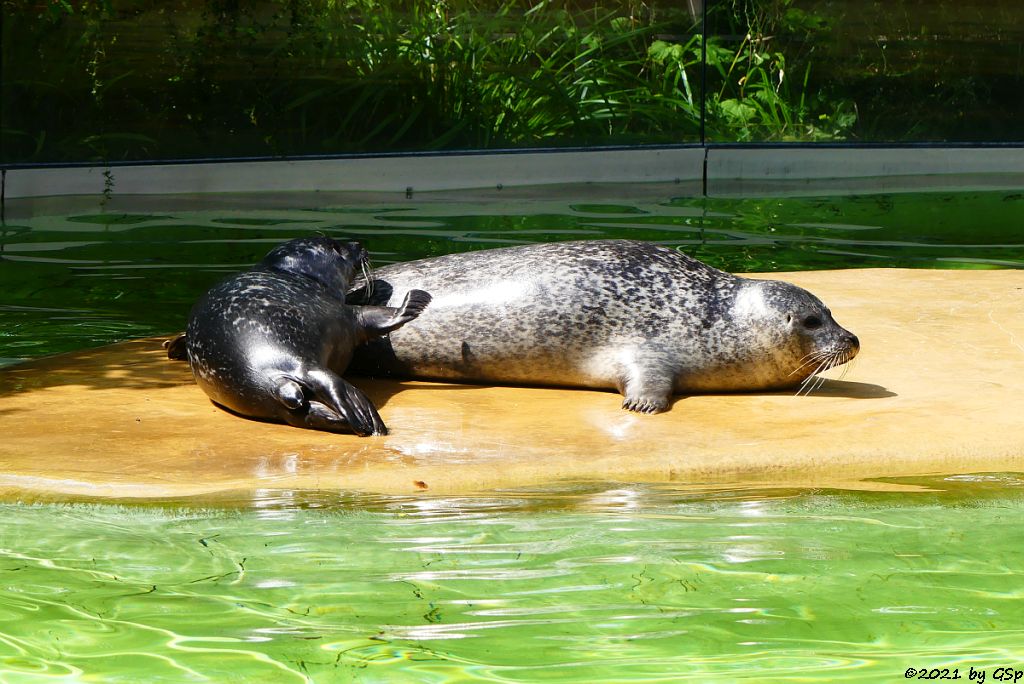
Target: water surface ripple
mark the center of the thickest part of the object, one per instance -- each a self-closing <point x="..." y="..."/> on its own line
<point x="128" y="273"/>
<point x="570" y="586"/>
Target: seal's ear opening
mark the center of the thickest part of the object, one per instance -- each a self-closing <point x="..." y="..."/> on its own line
<point x="375" y="293"/>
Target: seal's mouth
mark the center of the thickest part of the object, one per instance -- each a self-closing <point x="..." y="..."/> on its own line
<point x="809" y="372"/>
<point x="354" y="253"/>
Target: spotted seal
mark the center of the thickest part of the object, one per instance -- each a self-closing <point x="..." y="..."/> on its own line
<point x="270" y="342"/>
<point x="641" y="318"/>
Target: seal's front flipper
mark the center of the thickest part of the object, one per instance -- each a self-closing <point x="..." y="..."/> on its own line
<point x="380" y="320"/>
<point x="176" y="348"/>
<point x="375" y="293"/>
<point x="348" y="402"/>
<point x="645" y="404"/>
<point x="646" y="391"/>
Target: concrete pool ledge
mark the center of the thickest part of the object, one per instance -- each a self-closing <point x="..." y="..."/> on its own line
<point x="938" y="388"/>
<point x="715" y="170"/>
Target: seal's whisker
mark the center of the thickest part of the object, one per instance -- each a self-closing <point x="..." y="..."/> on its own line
<point x="815" y="353"/>
<point x="849" y="362"/>
<point x="815" y="380"/>
<point x="823" y="362"/>
<point x="812" y="358"/>
<point x="821" y="378"/>
<point x="811" y="386"/>
<point x="807" y="386"/>
<point x="833" y="362"/>
<point x="843" y="359"/>
<point x="839" y="359"/>
<point x="817" y="386"/>
<point x="367" y="276"/>
<point x="810" y="375"/>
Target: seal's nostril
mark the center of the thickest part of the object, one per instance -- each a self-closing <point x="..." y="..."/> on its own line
<point x="854" y="342"/>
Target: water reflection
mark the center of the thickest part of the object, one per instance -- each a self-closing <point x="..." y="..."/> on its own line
<point x="602" y="581"/>
<point x="80" y="260"/>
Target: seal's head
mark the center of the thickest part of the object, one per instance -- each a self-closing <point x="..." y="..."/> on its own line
<point x="785" y="336"/>
<point x="330" y="262"/>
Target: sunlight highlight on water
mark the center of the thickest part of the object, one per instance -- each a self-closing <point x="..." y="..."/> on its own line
<point x="597" y="583"/>
<point x="628" y="583"/>
<point x="131" y="274"/>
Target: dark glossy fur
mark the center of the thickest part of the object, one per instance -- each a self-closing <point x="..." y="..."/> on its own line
<point x="272" y="342"/>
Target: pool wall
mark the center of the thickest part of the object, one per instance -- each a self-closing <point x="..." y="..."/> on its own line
<point x="710" y="170"/>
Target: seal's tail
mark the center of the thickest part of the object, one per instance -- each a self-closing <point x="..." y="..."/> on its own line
<point x="176" y="347"/>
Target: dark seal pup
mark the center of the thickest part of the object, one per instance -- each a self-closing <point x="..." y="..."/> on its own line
<point x="620" y="314"/>
<point x="271" y="342"/>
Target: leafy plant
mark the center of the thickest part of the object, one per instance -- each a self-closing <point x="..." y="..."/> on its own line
<point x="763" y="94"/>
<point x="190" y="78"/>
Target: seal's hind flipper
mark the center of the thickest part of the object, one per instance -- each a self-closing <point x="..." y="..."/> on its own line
<point x="322" y="417"/>
<point x="289" y="393"/>
<point x="380" y="320"/>
<point x="323" y="401"/>
<point x="176" y="348"/>
<point x="352" y="407"/>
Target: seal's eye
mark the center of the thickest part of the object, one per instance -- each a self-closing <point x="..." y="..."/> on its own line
<point x="812" y="322"/>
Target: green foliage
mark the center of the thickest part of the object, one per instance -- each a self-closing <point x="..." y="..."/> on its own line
<point x="762" y="93"/>
<point x="455" y="76"/>
<point x="106" y="80"/>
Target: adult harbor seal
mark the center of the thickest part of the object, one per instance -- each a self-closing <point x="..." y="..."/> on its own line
<point x="271" y="342"/>
<point x="619" y="314"/>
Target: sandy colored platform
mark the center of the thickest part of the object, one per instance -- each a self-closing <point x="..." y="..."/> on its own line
<point x="938" y="388"/>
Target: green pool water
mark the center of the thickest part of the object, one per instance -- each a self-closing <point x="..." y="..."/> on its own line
<point x="604" y="583"/>
<point x="595" y="582"/>
<point x="73" y="279"/>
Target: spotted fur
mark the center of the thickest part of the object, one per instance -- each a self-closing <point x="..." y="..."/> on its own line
<point x="620" y="314"/>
